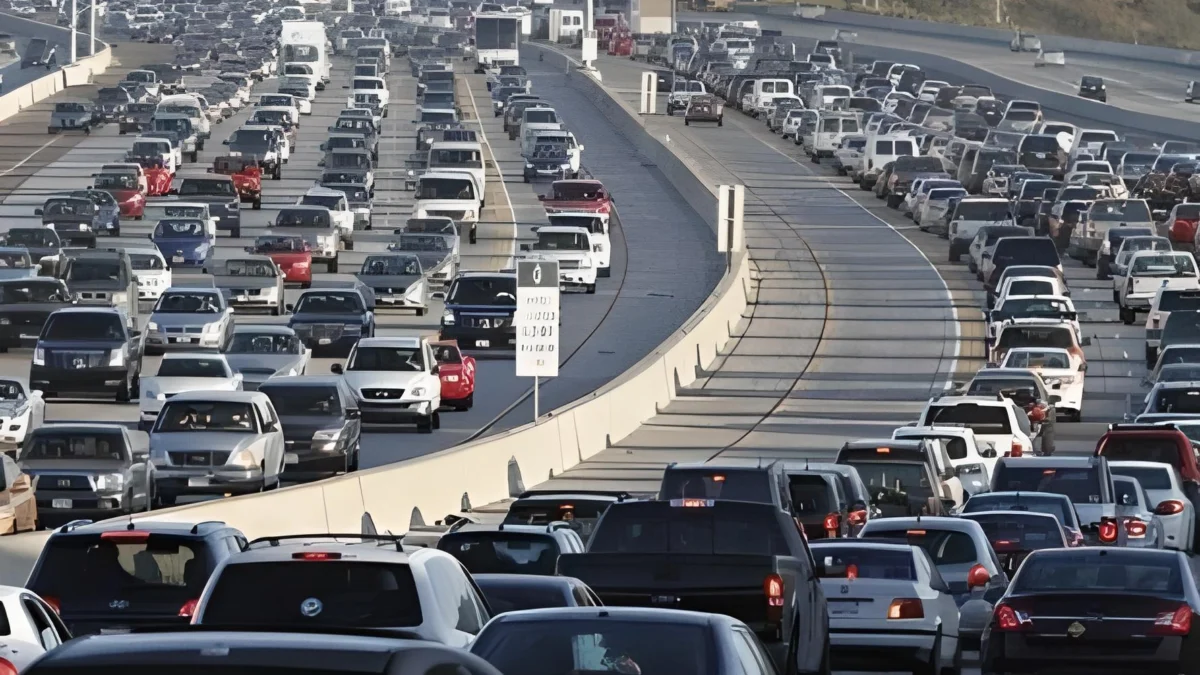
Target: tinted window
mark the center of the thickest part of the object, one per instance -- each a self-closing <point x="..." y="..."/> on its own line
<point x="350" y="594"/>
<point x="83" y="325"/>
<point x="483" y="291"/>
<point x="992" y="419"/>
<point x="811" y="495"/>
<point x="945" y="547"/>
<point x="871" y="563"/>
<point x="1186" y="401"/>
<point x="506" y="597"/>
<point x="908" y="479"/>
<point x="320" y="401"/>
<point x="198" y="367"/>
<point x="1116" y="570"/>
<point x="206" y="416"/>
<point x="101" y="446"/>
<point x="1080" y="485"/>
<point x="743" y="486"/>
<point x="1012" y="532"/>
<point x="1145" y="449"/>
<point x="1009" y="502"/>
<point x="605" y="645"/>
<point x="1150" y="478"/>
<point x="687" y="530"/>
<point x="503" y="552"/>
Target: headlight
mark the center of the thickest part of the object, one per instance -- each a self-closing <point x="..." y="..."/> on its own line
<point x="39" y="357"/>
<point x="585" y="263"/>
<point x="212" y="327"/>
<point x="353" y="330"/>
<point x="151" y="326"/>
<point x="326" y="435"/>
<point x="5" y="321"/>
<point x="528" y="165"/>
<point x="116" y="358"/>
<point x="244" y="459"/>
<point x="110" y="481"/>
<point x="447" y="320"/>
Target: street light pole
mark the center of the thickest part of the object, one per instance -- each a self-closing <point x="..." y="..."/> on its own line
<point x="92" y="28"/>
<point x="74" y="37"/>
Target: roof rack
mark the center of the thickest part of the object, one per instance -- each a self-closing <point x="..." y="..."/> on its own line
<point x="394" y="539"/>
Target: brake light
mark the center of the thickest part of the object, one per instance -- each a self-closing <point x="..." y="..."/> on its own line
<point x="53" y="602"/>
<point x="1009" y="619"/>
<point x="1135" y="528"/>
<point x="831" y="524"/>
<point x="906" y="608"/>
<point x="1178" y="622"/>
<point x="1016" y="450"/>
<point x="858" y="517"/>
<point x="7" y="668"/>
<point x="316" y="555"/>
<point x="189" y="608"/>
<point x="773" y="589"/>
<point x="851" y="572"/>
<point x="1108" y="531"/>
<point x="125" y="536"/>
<point x="1169" y="507"/>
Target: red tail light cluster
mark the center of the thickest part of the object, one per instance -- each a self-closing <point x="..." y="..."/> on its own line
<point x="7" y="668"/>
<point x="773" y="590"/>
<point x="188" y="611"/>
<point x="53" y="602"/>
<point x="906" y="608"/>
<point x="1169" y="507"/>
<point x="1108" y="531"/>
<point x="1008" y="619"/>
<point x="1178" y="622"/>
<point x="858" y="517"/>
<point x="1135" y="528"/>
<point x="831" y="525"/>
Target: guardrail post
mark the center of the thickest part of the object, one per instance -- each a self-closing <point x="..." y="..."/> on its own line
<point x="649" y="98"/>
<point x="731" y="206"/>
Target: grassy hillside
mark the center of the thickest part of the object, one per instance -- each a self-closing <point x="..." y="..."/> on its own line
<point x="1167" y="23"/>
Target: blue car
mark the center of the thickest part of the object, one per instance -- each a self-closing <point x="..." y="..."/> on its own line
<point x="479" y="313"/>
<point x="184" y="242"/>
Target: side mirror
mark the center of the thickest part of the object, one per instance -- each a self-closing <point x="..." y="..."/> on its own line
<point x="337" y="369"/>
<point x="270" y="426"/>
<point x="225" y="142"/>
<point x="435" y="369"/>
<point x="1054" y="398"/>
<point x="978" y="577"/>
<point x="353" y="413"/>
<point x="988" y="453"/>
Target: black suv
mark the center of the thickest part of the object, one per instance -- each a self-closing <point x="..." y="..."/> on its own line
<point x="88" y="350"/>
<point x="121" y="575"/>
<point x="221" y="196"/>
<point x="1093" y="87"/>
<point x="321" y="425"/>
<point x="25" y="304"/>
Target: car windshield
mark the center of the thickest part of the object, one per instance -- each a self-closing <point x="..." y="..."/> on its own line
<point x="1080" y="485"/>
<point x="1030" y="287"/>
<point x="83" y="269"/>
<point x="483" y="291"/>
<point x="199" y="186"/>
<point x="1006" y="501"/>
<point x="1119" y="210"/>
<point x="1167" y="265"/>
<point x="324" y="201"/>
<point x="440" y="157"/>
<point x="981" y="210"/>
<point x="1082" y="571"/>
<point x="303" y="400"/>
<point x="1037" y="359"/>
<point x="67" y="207"/>
<point x="115" y="181"/>
<point x="1182" y="327"/>
<point x="329" y="303"/>
<point x="391" y="264"/>
<point x="393" y="359"/>
<point x="178" y="229"/>
<point x="77" y="325"/>
<point x="33" y="291"/>
<point x="264" y="343"/>
<point x="250" y="268"/>
<point x="1149" y="477"/>
<point x="31" y="238"/>
<point x="188" y="302"/>
<point x="280" y="245"/>
<point x="313" y="217"/>
<point x="991" y="385"/>
<point x="984" y="420"/>
<point x="576" y="191"/>
<point x="193" y="367"/>
<point x="1021" y="116"/>
<point x="270" y="100"/>
<point x="445" y="188"/>
<point x="280" y="117"/>
<point x="432" y="117"/>
<point x="218" y="416"/>
<point x="1059" y="337"/>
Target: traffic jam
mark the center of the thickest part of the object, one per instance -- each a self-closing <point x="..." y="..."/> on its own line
<point x="960" y="541"/>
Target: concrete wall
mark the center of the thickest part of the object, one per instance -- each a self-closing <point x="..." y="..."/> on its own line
<point x="81" y="72"/>
<point x="1050" y="42"/>
<point x="436" y="484"/>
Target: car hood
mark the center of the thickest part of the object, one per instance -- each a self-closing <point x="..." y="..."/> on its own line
<point x="326" y="318"/>
<point x="302" y="427"/>
<point x="358" y="379"/>
<point x="207" y="441"/>
<point x="174" y="385"/>
<point x="183" y="318"/>
<point x="169" y="246"/>
<point x="378" y="281"/>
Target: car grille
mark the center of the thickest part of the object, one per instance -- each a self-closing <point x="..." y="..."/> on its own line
<point x="76" y="359"/>
<point x="94" y="295"/>
<point x="486" y="321"/>
<point x="453" y="215"/>
<point x="184" y="329"/>
<point x="383" y="394"/>
<point x="319" y="330"/>
<point x="257" y="372"/>
<point x="246" y="291"/>
<point x="198" y="458"/>
<point x="58" y="482"/>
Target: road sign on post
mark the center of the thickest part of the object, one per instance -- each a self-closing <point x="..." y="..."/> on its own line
<point x="537" y="321"/>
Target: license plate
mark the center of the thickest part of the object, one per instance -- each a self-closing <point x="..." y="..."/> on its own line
<point x="60" y="503"/>
<point x="324" y="341"/>
<point x="119" y="630"/>
<point x="176" y="258"/>
<point x="28" y="337"/>
<point x="199" y="482"/>
<point x="562" y="287"/>
<point x="291" y="458"/>
<point x="1041" y="155"/>
<point x="483" y="343"/>
<point x="182" y="340"/>
<point x="241" y="298"/>
<point x="843" y="609"/>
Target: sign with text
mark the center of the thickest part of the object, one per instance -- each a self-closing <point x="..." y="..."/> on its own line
<point x="537" y="318"/>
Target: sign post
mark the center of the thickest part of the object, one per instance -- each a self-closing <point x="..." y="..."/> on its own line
<point x="537" y="322"/>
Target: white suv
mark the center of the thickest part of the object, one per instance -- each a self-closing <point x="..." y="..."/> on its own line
<point x="395" y="380"/>
<point x="997" y="422"/>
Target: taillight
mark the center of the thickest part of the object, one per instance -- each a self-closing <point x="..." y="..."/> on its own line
<point x="858" y="517"/>
<point x="1009" y="619"/>
<point x="1108" y="531"/>
<point x="53" y="602"/>
<point x="773" y="589"/>
<point x="7" y="668"/>
<point x="189" y="608"/>
<point x="1135" y="528"/>
<point x="831" y="524"/>
<point x="906" y="608"/>
<point x="1016" y="450"/>
<point x="1169" y="507"/>
<point x="1178" y="622"/>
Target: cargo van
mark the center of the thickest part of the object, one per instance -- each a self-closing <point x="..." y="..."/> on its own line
<point x="880" y="151"/>
<point x="830" y="129"/>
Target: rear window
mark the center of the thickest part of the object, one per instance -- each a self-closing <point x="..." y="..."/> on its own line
<point x="1143" y="449"/>
<point x="991" y="419"/>
<point x="68" y="446"/>
<point x="945" y="547"/>
<point x="740" y="486"/>
<point x="1007" y="502"/>
<point x="810" y="495"/>
<point x="704" y="531"/>
<point x="870" y="562"/>
<point x="348" y="594"/>
<point x="1150" y="478"/>
<point x="1086" y="572"/>
<point x="1184" y="401"/>
<point x="503" y="597"/>
<point x="1040" y="144"/>
<point x="581" y="513"/>
<point x="1011" y="532"/>
<point x="1080" y="485"/>
<point x="1031" y="288"/>
<point x="503" y="552"/>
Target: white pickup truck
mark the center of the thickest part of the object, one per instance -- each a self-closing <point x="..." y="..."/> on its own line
<point x="455" y="195"/>
<point x="571" y="247"/>
<point x="339" y="211"/>
<point x="1150" y="271"/>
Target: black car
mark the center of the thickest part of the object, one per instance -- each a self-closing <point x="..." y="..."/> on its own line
<point x="117" y="575"/>
<point x="1099" y="610"/>
<point x="24" y="306"/>
<point x="321" y="425"/>
<point x="221" y="196"/>
<point x="514" y="592"/>
<point x="582" y="508"/>
<point x="88" y="350"/>
<point x="1092" y="87"/>
<point x="41" y="242"/>
<point x="332" y="319"/>
<point x="480" y="307"/>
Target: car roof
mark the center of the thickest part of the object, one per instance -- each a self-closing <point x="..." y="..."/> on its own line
<point x="954" y="524"/>
<point x="154" y="526"/>
<point x="364" y="551"/>
<point x="1029" y="514"/>
<point x="610" y="613"/>
<point x="175" y="356"/>
<point x="88" y="310"/>
<point x="1054" y="462"/>
<point x="80" y="428"/>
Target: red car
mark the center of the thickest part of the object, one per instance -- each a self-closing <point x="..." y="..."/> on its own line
<point x="577" y="195"/>
<point x="125" y="188"/>
<point x="246" y="174"/>
<point x="457" y="372"/>
<point x="158" y="177"/>
<point x="291" y="253"/>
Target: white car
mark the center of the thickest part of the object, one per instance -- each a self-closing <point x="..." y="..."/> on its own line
<point x="1031" y="286"/>
<point x="1054" y="366"/>
<point x="339" y="210"/>
<point x="569" y="246"/>
<point x="1166" y="300"/>
<point x="920" y="190"/>
<point x="1164" y="487"/>
<point x="933" y="207"/>
<point x="597" y="226"/>
<point x="1129" y="246"/>
<point x="395" y="380"/>
<point x="973" y="465"/>
<point x="32" y="628"/>
<point x="180" y="372"/>
<point x="21" y="411"/>
<point x="1150" y="271"/>
<point x="1031" y="307"/>
<point x="150" y="268"/>
<point x="892" y="603"/>
<point x="996" y="421"/>
<point x="277" y="100"/>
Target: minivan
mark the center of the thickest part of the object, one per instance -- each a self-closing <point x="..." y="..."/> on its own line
<point x="882" y="150"/>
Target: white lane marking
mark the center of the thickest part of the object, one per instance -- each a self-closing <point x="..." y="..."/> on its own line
<point x="33" y="154"/>
<point x="949" y="385"/>
<point x="512" y="256"/>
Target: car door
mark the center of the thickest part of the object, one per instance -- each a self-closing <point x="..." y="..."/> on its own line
<point x="274" y="448"/>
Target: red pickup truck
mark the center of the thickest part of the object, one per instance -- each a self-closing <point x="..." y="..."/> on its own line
<point x="580" y="195"/>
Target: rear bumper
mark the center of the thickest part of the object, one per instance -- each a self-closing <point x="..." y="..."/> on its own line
<point x="1006" y="653"/>
<point x="394" y="413"/>
<point x="875" y="650"/>
<point x="470" y="338"/>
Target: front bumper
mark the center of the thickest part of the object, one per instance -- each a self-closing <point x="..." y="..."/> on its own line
<point x="395" y="412"/>
<point x="254" y="301"/>
<point x="106" y="380"/>
<point x="399" y="302"/>
<point x="1138" y="303"/>
<point x="183" y="341"/>
<point x="481" y="338"/>
<point x="78" y="504"/>
<point x="577" y="279"/>
<point x="207" y="481"/>
<point x="867" y="649"/>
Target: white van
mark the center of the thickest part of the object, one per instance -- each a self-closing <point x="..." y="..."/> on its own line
<point x="455" y="157"/>
<point x="369" y="85"/>
<point x="451" y="194"/>
<point x="831" y="127"/>
<point x="824" y="96"/>
<point x="757" y="101"/>
<point x="880" y="151"/>
<point x="192" y="107"/>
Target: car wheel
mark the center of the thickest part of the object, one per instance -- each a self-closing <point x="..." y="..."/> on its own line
<point x="123" y="393"/>
<point x="332" y="266"/>
<point x="467" y="402"/>
<point x="425" y="426"/>
<point x="591" y="289"/>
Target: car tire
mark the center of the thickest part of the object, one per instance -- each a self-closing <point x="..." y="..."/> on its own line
<point x="591" y="289"/>
<point x="349" y="245"/>
<point x="955" y="668"/>
<point x="466" y="403"/>
<point x="124" y="393"/>
<point x="236" y="232"/>
<point x="277" y="311"/>
<point x="425" y="426"/>
<point x="421" y="311"/>
<point x="332" y="266"/>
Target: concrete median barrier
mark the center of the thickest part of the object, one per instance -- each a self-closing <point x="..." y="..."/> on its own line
<point x="495" y="468"/>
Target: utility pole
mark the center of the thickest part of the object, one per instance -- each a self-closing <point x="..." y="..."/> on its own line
<point x="92" y="27"/>
<point x="74" y="35"/>
<point x="998" y="19"/>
